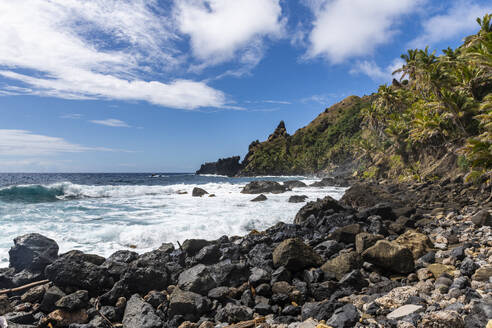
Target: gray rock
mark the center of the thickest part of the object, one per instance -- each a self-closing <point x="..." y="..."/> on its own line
<point x="259" y="187"/>
<point x="317" y="310"/>
<point x="192" y="246"/>
<point x="345" y="317"/>
<point x="404" y="310"/>
<point x="74" y="301"/>
<point x="140" y="314"/>
<point x="259" y="276"/>
<point x="198" y="192"/>
<point x="297" y="198"/>
<point x="259" y="198"/>
<point x="187" y="304"/>
<point x="234" y="313"/>
<point x="51" y="296"/>
<point x="197" y="279"/>
<point x="390" y="256"/>
<point x="482" y="218"/>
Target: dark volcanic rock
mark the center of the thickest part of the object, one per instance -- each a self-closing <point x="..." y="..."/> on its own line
<point x="188" y="304"/>
<point x="316" y="208"/>
<point x="347" y="234"/>
<point x="197" y="279"/>
<point x="33" y="252"/>
<point x="198" y="192"/>
<point x="297" y="198"/>
<point x="366" y="195"/>
<point x="51" y="296"/>
<point x="192" y="246"/>
<point x="224" y="166"/>
<point x="390" y="256"/>
<point x="259" y="187"/>
<point x="74" y="301"/>
<point x="78" y="274"/>
<point x="344" y="317"/>
<point x="294" y="184"/>
<point x="317" y="310"/>
<point x="259" y="198"/>
<point x="140" y="314"/>
<point x="295" y="255"/>
<point x="234" y="313"/>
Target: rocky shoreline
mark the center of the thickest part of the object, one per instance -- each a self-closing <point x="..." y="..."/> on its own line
<point x="385" y="255"/>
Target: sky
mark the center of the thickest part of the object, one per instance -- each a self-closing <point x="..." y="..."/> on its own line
<point x="165" y="85"/>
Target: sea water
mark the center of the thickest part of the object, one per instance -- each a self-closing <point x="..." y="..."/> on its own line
<point x="103" y="213"/>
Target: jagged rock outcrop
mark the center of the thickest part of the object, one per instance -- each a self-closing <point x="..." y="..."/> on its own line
<point x="224" y="166"/>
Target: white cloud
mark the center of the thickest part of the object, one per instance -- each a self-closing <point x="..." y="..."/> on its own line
<point x="222" y="29"/>
<point x="54" y="43"/>
<point x="112" y="122"/>
<point x="26" y="143"/>
<point x="281" y="102"/>
<point x="345" y="29"/>
<point x="459" y="20"/>
<point x="377" y="73"/>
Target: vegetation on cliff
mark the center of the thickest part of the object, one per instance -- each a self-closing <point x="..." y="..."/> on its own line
<point x="436" y="118"/>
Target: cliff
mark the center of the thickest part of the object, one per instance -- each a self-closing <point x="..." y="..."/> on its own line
<point x="225" y="166"/>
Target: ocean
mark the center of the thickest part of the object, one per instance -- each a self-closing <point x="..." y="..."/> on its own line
<point x="103" y="213"/>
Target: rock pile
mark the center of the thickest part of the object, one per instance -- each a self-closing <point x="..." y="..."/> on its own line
<point x="408" y="261"/>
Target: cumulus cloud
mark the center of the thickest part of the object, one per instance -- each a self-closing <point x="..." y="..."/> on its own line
<point x="113" y="122"/>
<point x="376" y="72"/>
<point x="458" y="20"/>
<point x="27" y="143"/>
<point x="220" y="30"/>
<point x="95" y="49"/>
<point x="345" y="29"/>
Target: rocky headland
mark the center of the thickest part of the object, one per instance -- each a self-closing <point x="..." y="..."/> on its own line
<point x="385" y="255"/>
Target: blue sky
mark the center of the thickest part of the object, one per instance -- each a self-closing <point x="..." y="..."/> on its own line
<point x="162" y="86"/>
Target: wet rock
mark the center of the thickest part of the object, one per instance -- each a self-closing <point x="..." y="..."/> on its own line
<point x="197" y="279"/>
<point x="295" y="255"/>
<point x="297" y="198"/>
<point x="404" y="310"/>
<point x="390" y="256"/>
<point x="259" y="187"/>
<point x="198" y="192"/>
<point x="341" y="265"/>
<point x="294" y="184"/>
<point x="345" y="317"/>
<point x="74" y="301"/>
<point x="316" y="208"/>
<point x="187" y="304"/>
<point x="482" y="218"/>
<point x="140" y="314"/>
<point x="32" y="252"/>
<point x="418" y="243"/>
<point x="364" y="240"/>
<point x="442" y="319"/>
<point x="259" y="198"/>
<point x="234" y="313"/>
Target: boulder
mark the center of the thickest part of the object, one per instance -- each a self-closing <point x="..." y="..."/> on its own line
<point x="294" y="184"/>
<point x="78" y="274"/>
<point x="259" y="198"/>
<point x="259" y="187"/>
<point x="232" y="313"/>
<point x="188" y="304"/>
<point x="418" y="243"/>
<point x="317" y="208"/>
<point x="295" y="255"/>
<point x="438" y="269"/>
<point x="5" y="305"/>
<point x="483" y="274"/>
<point x="347" y="233"/>
<point x="51" y="296"/>
<point x="74" y="301"/>
<point x="297" y="198"/>
<point x="198" y="192"/>
<point x="192" y="246"/>
<point x="140" y="314"/>
<point x="442" y="319"/>
<point x="32" y="252"/>
<point x="364" y="240"/>
<point x="390" y="256"/>
<point x="341" y="265"/>
<point x="197" y="279"/>
<point x="317" y="310"/>
<point x="482" y="218"/>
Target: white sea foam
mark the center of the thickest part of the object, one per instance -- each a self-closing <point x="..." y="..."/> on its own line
<point x="104" y="219"/>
